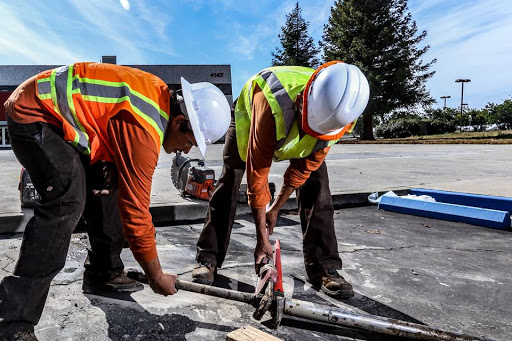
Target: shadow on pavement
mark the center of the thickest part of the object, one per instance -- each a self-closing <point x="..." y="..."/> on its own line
<point x="222" y="281"/>
<point x="130" y="321"/>
<point x="305" y="325"/>
<point x="359" y="301"/>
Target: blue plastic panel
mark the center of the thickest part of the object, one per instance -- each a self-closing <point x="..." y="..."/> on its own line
<point x="437" y="210"/>
<point x="466" y="199"/>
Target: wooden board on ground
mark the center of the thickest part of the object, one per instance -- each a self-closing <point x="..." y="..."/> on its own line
<point x="248" y="333"/>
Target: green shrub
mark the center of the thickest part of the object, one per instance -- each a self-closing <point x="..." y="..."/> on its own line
<point x="399" y="128"/>
<point x="440" y="126"/>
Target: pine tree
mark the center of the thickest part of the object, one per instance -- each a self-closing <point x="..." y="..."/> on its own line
<point x="381" y="38"/>
<point x="298" y="47"/>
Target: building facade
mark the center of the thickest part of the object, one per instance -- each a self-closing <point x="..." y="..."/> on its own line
<point x="220" y="75"/>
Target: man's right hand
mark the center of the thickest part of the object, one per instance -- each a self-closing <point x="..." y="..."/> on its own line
<point x="164" y="284"/>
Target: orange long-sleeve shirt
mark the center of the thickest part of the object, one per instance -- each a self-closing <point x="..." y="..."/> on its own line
<point x="262" y="144"/>
<point x="135" y="154"/>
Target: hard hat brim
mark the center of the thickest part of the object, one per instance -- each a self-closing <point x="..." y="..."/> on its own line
<point x="192" y="116"/>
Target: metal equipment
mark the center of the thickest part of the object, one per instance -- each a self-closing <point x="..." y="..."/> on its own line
<point x="269" y="296"/>
<point x="28" y="193"/>
<point x="280" y="306"/>
<point x="195" y="181"/>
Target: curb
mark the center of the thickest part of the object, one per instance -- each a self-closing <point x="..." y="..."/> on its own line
<point x="194" y="211"/>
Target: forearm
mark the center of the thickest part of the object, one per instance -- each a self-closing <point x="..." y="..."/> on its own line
<point x="152" y="269"/>
<point x="260" y="222"/>
<point x="282" y="197"/>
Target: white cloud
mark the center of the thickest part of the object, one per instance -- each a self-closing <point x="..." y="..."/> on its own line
<point x="34" y="41"/>
<point x="64" y="32"/>
<point x="125" y="4"/>
<point x="318" y="15"/>
<point x="470" y="40"/>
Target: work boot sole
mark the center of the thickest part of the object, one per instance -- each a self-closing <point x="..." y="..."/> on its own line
<point x="343" y="294"/>
<point x="99" y="289"/>
<point x="126" y="287"/>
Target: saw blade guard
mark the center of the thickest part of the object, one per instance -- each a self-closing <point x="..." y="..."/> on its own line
<point x="180" y="169"/>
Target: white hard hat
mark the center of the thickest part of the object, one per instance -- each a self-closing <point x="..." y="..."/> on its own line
<point x="207" y="110"/>
<point x="335" y="96"/>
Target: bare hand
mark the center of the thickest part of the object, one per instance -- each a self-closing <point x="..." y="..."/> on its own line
<point x="271" y="218"/>
<point x="262" y="254"/>
<point x="164" y="284"/>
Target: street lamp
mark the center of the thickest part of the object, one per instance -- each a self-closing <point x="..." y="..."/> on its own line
<point x="445" y="97"/>
<point x="460" y="80"/>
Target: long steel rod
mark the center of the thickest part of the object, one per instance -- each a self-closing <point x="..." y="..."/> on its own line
<point x="327" y="314"/>
<point x="372" y="323"/>
<point x="233" y="295"/>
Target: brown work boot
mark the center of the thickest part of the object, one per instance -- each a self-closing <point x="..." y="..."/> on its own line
<point x="204" y="273"/>
<point x="97" y="284"/>
<point x="332" y="283"/>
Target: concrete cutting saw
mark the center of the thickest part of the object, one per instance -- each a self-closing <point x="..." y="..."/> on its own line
<point x="192" y="178"/>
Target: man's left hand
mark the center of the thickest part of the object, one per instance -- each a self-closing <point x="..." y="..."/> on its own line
<point x="109" y="177"/>
<point x="262" y="254"/>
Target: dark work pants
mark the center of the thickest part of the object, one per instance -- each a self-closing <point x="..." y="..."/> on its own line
<point x="58" y="174"/>
<point x="104" y="228"/>
<point x="315" y="209"/>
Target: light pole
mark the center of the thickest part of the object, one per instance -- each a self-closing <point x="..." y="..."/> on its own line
<point x="445" y="97"/>
<point x="461" y="80"/>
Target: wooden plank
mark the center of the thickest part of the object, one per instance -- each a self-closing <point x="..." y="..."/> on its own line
<point x="248" y="333"/>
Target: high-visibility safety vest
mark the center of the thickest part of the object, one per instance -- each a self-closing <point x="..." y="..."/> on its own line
<point x="281" y="85"/>
<point x="84" y="96"/>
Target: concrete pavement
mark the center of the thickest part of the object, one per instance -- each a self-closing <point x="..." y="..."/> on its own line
<point x="448" y="275"/>
<point x="354" y="171"/>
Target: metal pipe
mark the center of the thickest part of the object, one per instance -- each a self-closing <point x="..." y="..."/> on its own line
<point x="327" y="314"/>
<point x="372" y="323"/>
<point x="245" y="297"/>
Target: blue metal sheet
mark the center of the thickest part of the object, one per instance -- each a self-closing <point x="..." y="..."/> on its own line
<point x="437" y="210"/>
<point x="467" y="199"/>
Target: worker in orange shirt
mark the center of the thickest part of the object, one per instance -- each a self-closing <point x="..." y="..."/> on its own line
<point x="285" y="113"/>
<point x="64" y="123"/>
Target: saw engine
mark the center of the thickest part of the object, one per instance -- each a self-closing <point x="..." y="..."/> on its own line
<point x="195" y="181"/>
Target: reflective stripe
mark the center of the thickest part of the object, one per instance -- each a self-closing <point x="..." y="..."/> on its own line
<point x="45" y="96"/>
<point x="282" y="97"/>
<point x="280" y="86"/>
<point x="61" y="85"/>
<point x="117" y="92"/>
<point x="319" y="145"/>
<point x="43" y="87"/>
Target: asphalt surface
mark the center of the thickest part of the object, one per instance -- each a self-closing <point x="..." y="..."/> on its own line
<point x="448" y="275"/>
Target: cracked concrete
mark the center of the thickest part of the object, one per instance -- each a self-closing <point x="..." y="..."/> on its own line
<point x="448" y="275"/>
<point x="451" y="276"/>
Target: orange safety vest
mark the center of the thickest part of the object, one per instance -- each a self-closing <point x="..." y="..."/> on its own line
<point x="84" y="96"/>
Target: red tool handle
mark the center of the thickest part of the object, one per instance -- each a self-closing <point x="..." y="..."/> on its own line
<point x="278" y="286"/>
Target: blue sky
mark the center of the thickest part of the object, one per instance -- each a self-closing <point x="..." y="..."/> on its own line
<point x="470" y="39"/>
